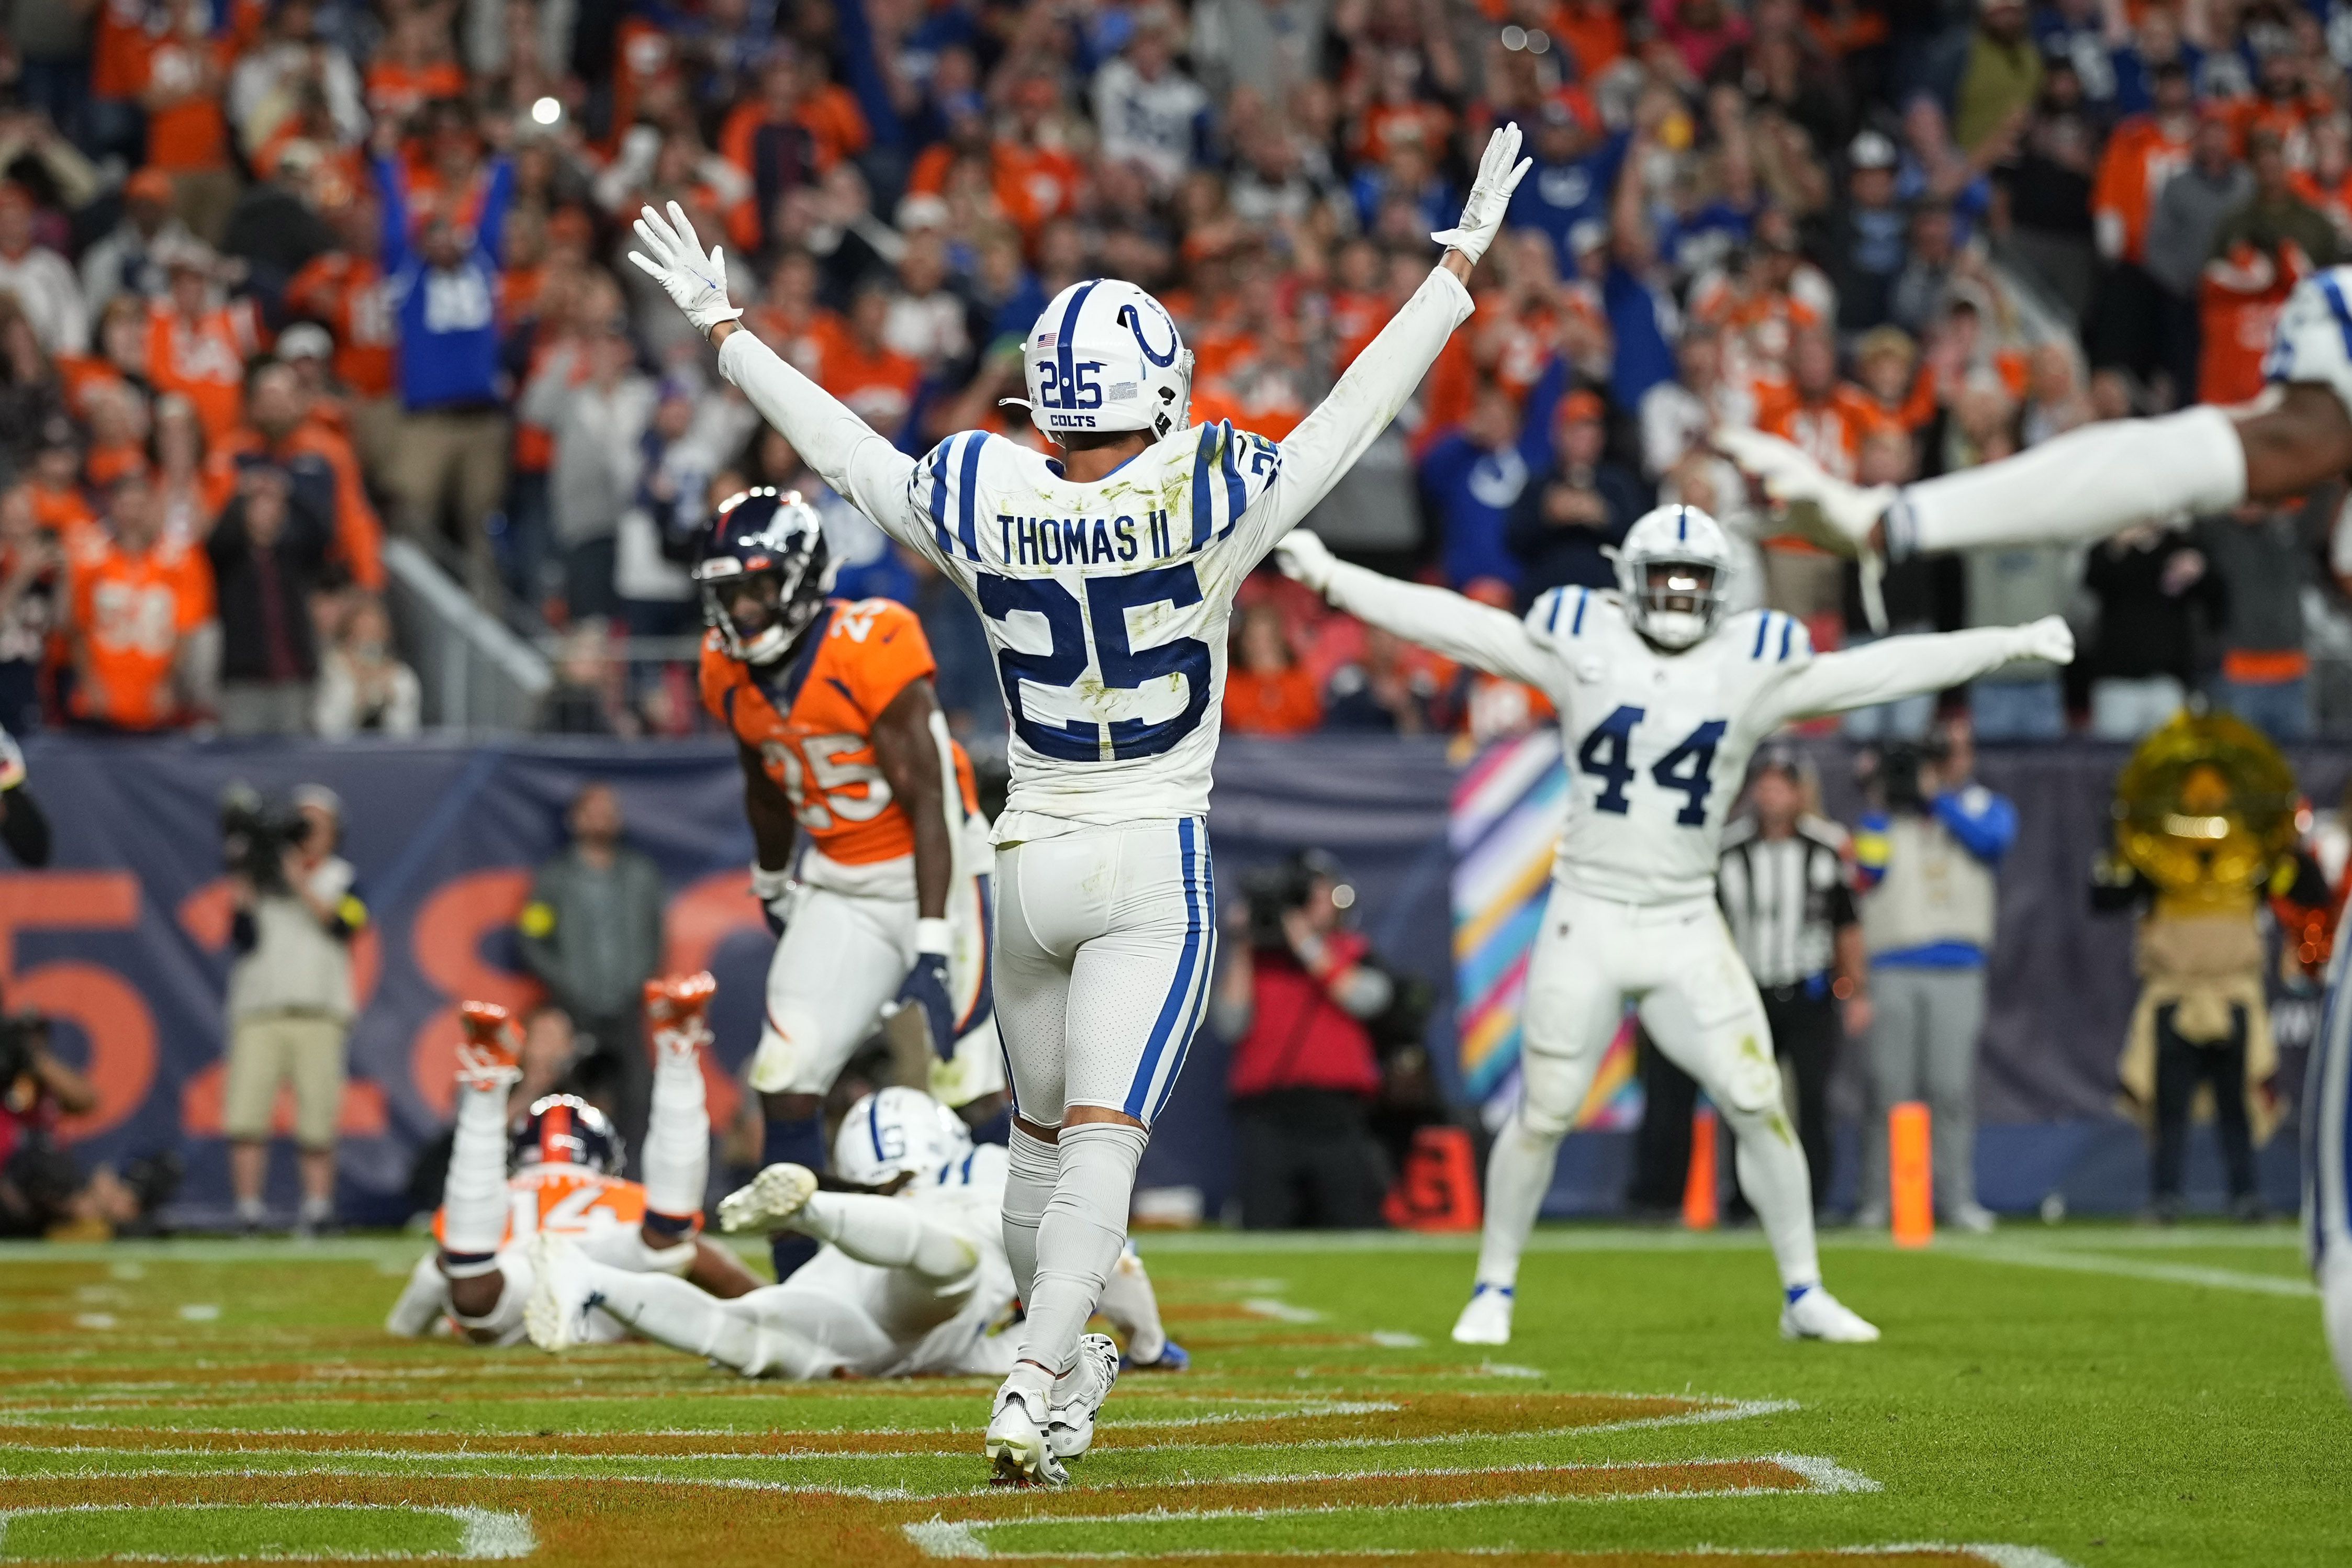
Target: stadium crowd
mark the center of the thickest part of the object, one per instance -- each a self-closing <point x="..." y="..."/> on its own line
<point x="279" y="281"/>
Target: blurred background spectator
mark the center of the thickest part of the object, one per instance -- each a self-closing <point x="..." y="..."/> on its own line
<point x="1297" y="991"/>
<point x="592" y="934"/>
<point x="1925" y="856"/>
<point x="289" y="996"/>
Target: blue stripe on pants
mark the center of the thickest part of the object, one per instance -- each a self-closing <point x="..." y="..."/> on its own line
<point x="1180" y="993"/>
<point x="1201" y="1000"/>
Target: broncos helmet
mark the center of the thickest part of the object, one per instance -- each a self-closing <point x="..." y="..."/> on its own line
<point x="757" y="537"/>
<point x="565" y="1130"/>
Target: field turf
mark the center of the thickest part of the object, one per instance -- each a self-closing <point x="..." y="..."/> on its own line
<point x="2083" y="1395"/>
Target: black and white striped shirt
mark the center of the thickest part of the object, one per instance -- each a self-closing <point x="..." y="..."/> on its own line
<point x="1785" y="899"/>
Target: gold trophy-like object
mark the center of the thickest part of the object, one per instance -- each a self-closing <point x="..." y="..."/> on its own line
<point x="2205" y="810"/>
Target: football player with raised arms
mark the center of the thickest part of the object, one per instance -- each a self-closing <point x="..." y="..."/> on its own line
<point x="565" y="1179"/>
<point x="1662" y="699"/>
<point x="2091" y="482"/>
<point x="1105" y="578"/>
<point x="871" y="854"/>
<point x="910" y="1278"/>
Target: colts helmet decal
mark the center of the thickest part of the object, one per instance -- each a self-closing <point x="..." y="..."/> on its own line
<point x="1106" y="355"/>
<point x="763" y="573"/>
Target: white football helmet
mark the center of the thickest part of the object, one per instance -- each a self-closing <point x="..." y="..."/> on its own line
<point x="896" y="1130"/>
<point x="1672" y="570"/>
<point x="1106" y="355"/>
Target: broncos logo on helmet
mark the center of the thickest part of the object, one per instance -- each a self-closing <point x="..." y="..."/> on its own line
<point x="763" y="573"/>
<point x="565" y="1130"/>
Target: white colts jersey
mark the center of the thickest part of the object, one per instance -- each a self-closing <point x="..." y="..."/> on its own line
<point x="1657" y="742"/>
<point x="1106" y="607"/>
<point x="1105" y="602"/>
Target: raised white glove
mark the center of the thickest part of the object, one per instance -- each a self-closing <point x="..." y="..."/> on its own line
<point x="1500" y="170"/>
<point x="696" y="281"/>
<point x="2048" y="638"/>
<point x="1304" y="558"/>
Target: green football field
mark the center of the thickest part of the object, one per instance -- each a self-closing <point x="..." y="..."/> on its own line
<point x="2082" y="1394"/>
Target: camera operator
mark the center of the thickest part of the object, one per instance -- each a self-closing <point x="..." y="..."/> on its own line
<point x="1925" y="863"/>
<point x="289" y="991"/>
<point x="1297" y="999"/>
<point x="38" y="1178"/>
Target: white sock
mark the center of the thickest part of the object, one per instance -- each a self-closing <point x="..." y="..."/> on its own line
<point x="250" y="1210"/>
<point x="1129" y="1301"/>
<point x="677" y="1142"/>
<point x="888" y="1233"/>
<point x="2085" y="485"/>
<point x="315" y="1209"/>
<point x="1079" y="1239"/>
<point x="474" y="1199"/>
<point x="1518" y="1174"/>
<point x="1029" y="1181"/>
<point x="1779" y="1188"/>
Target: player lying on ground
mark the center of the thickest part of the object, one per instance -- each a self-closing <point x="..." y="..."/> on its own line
<point x="2091" y="482"/>
<point x="911" y="1283"/>
<point x="1104" y="580"/>
<point x="564" y="1182"/>
<point x="843" y="743"/>
<point x="1661" y="703"/>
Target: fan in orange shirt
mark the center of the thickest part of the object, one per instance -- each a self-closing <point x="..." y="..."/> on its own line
<point x="343" y="290"/>
<point x="789" y="319"/>
<point x="1399" y="116"/>
<point x="1268" y="690"/>
<point x="1035" y="183"/>
<point x="181" y="82"/>
<point x="2142" y="154"/>
<point x="136" y="604"/>
<point x="198" y="348"/>
<point x="1827" y="418"/>
<point x="877" y="381"/>
<point x="415" y="66"/>
<point x="59" y="504"/>
<point x="1886" y="364"/>
<point x="319" y="462"/>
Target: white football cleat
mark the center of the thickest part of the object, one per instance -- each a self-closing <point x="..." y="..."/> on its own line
<point x="562" y="1295"/>
<point x="1816" y="1315"/>
<point x="1078" y="1393"/>
<point x="1486" y="1321"/>
<point x="1017" y="1444"/>
<point x="770" y="1202"/>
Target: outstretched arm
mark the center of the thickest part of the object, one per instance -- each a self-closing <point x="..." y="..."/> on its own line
<point x="1905" y="667"/>
<point x="852" y="458"/>
<point x="1329" y="441"/>
<point x="1438" y="619"/>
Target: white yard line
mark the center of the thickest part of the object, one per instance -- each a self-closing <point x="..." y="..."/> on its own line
<point x="2133" y="1268"/>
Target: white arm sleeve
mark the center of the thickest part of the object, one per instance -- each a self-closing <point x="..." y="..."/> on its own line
<point x="861" y="465"/>
<point x="1882" y="672"/>
<point x="1329" y="441"/>
<point x="1444" y="622"/>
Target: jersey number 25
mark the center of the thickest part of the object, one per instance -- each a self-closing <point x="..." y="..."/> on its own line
<point x="1607" y="752"/>
<point x="1117" y="665"/>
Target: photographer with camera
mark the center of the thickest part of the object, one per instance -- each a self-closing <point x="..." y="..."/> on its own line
<point x="43" y="1191"/>
<point x="1298" y="998"/>
<point x="289" y="990"/>
<point x="1925" y="863"/>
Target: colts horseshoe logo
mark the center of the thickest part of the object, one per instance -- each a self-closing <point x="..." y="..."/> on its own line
<point x="1134" y="322"/>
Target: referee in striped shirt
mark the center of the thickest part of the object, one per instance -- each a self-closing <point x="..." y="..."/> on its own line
<point x="1788" y="895"/>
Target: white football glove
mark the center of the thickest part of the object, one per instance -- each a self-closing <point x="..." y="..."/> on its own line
<point x="697" y="282"/>
<point x="1500" y="170"/>
<point x="2048" y="638"/>
<point x="1304" y="558"/>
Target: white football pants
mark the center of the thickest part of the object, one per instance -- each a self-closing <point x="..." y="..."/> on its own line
<point x="1106" y="938"/>
<point x="2327" y="1163"/>
<point x="841" y="958"/>
<point x="1699" y="1004"/>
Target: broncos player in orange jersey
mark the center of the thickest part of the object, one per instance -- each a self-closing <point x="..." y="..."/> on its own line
<point x="865" y="822"/>
<point x="564" y="1157"/>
